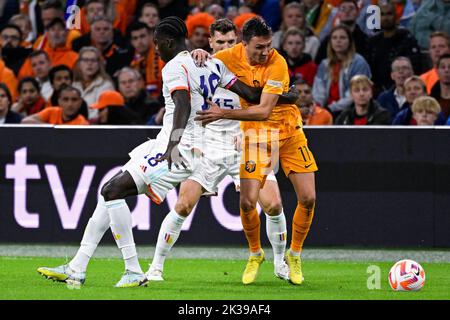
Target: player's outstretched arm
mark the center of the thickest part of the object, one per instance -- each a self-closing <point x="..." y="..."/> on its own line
<point x="181" y="114"/>
<point x="253" y="95"/>
<point x="260" y="112"/>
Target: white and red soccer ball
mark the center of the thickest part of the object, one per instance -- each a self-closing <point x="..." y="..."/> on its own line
<point x="406" y="275"/>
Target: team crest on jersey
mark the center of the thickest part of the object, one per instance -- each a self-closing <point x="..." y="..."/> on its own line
<point x="250" y="166"/>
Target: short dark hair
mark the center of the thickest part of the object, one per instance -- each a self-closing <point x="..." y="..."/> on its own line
<point x="444" y="56"/>
<point x="13" y="26"/>
<point x="58" y="68"/>
<point x="38" y="53"/>
<point x="5" y="88"/>
<point x="172" y="27"/>
<point x="31" y="80"/>
<point x="255" y="27"/>
<point x="137" y="25"/>
<point x="69" y="88"/>
<point x="52" y="4"/>
<point x="56" y="21"/>
<point x="223" y="26"/>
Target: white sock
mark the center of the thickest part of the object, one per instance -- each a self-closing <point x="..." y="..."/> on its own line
<point x="121" y="227"/>
<point x="168" y="235"/>
<point x="95" y="229"/>
<point x="276" y="232"/>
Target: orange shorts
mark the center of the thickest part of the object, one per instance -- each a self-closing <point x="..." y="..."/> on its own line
<point x="259" y="159"/>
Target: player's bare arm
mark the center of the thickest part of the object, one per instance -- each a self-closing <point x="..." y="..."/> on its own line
<point x="181" y="114"/>
<point x="260" y="112"/>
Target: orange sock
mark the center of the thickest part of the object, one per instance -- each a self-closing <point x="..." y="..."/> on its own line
<point x="251" y="223"/>
<point x="300" y="226"/>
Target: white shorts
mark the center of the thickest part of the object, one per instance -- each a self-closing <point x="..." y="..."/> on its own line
<point x="154" y="178"/>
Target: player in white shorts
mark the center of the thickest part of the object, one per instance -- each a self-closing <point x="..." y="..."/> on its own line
<point x="221" y="147"/>
<point x="148" y="171"/>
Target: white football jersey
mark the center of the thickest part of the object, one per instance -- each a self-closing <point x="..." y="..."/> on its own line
<point x="202" y="83"/>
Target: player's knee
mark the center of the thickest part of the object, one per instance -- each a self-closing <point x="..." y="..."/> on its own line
<point x="274" y="208"/>
<point x="307" y="201"/>
<point x="184" y="208"/>
<point x="247" y="204"/>
<point x="110" y="192"/>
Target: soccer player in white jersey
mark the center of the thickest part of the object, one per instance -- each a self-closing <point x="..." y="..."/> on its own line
<point x="219" y="146"/>
<point x="156" y="166"/>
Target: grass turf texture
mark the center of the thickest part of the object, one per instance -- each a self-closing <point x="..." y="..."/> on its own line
<point x="216" y="280"/>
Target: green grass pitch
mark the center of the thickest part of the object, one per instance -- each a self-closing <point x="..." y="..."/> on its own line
<point x="216" y="280"/>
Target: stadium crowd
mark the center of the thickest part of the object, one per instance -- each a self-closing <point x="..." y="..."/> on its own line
<point x="104" y="68"/>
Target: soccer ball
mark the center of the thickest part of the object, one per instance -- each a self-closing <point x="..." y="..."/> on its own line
<point x="406" y="275"/>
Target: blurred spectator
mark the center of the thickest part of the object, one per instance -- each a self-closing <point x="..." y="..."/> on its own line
<point x="216" y="10"/>
<point x="50" y="10"/>
<point x="439" y="44"/>
<point x="364" y="110"/>
<point x="300" y="64"/>
<point x="68" y="112"/>
<point x="7" y="76"/>
<point x="110" y="108"/>
<point x="149" y="15"/>
<point x="198" y="31"/>
<point x="91" y="78"/>
<point x="394" y="99"/>
<point x="38" y="65"/>
<point x="389" y="43"/>
<point x="136" y="98"/>
<point x="414" y="88"/>
<point x="347" y="13"/>
<point x="331" y="87"/>
<point x="8" y="8"/>
<point x="269" y="10"/>
<point x="441" y="90"/>
<point x="30" y="100"/>
<point x="317" y="15"/>
<point x="13" y="54"/>
<point x="6" y="115"/>
<point x="146" y="59"/>
<point x="24" y="23"/>
<point x="312" y="114"/>
<point x="240" y="20"/>
<point x="59" y="76"/>
<point x="433" y="15"/>
<point x="112" y="10"/>
<point x="179" y="8"/>
<point x="294" y="16"/>
<point x="425" y="111"/>
<point x="102" y="37"/>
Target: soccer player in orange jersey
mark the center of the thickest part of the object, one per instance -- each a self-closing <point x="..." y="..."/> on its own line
<point x="272" y="132"/>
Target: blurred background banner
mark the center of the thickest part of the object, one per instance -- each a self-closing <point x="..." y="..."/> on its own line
<point x="376" y="187"/>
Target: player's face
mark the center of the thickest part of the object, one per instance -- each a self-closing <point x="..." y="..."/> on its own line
<point x="438" y="46"/>
<point x="4" y="103"/>
<point x="61" y="78"/>
<point x="294" y="46"/>
<point x="424" y="118"/>
<point x="413" y="90"/>
<point x="258" y="49"/>
<point x="70" y="102"/>
<point x="140" y="40"/>
<point x="150" y="17"/>
<point x="221" y="41"/>
<point x="29" y="94"/>
<point x="401" y="70"/>
<point x="40" y="66"/>
<point x="444" y="71"/>
<point x="361" y="94"/>
<point x="339" y="41"/>
<point x="293" y="18"/>
<point x="162" y="46"/>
